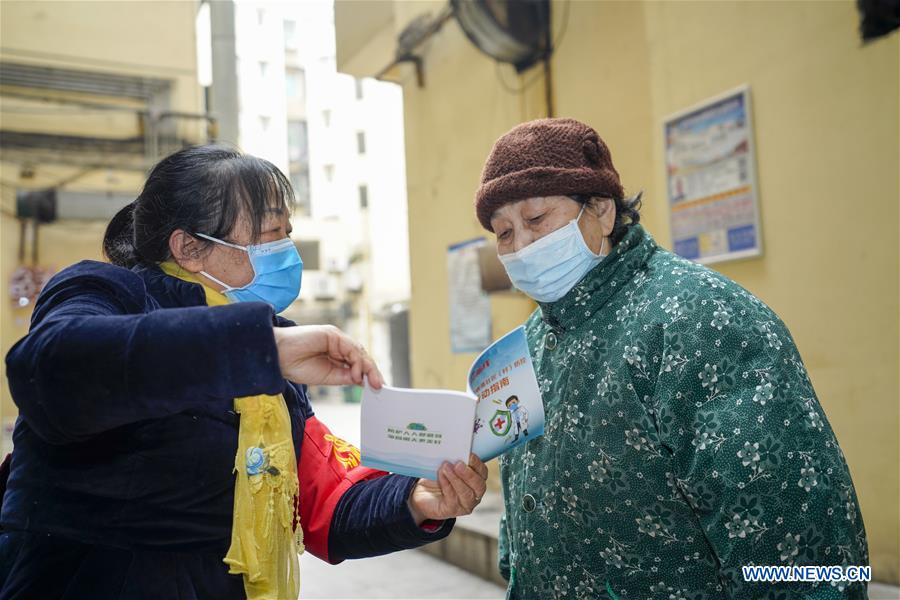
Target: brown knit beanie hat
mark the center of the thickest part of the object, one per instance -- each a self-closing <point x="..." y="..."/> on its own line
<point x="546" y="157"/>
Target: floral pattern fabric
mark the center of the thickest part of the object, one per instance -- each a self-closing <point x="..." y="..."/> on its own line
<point x="683" y="441"/>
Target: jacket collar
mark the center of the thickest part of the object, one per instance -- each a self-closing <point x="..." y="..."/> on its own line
<point x="601" y="283"/>
<point x="170" y="292"/>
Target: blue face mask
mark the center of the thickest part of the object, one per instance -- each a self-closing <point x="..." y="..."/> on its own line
<point x="548" y="268"/>
<point x="277" y="271"/>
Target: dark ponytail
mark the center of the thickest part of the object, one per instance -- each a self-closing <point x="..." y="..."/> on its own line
<point x="201" y="189"/>
<point x="118" y="241"/>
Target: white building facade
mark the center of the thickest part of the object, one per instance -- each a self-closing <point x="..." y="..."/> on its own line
<point x="337" y="139"/>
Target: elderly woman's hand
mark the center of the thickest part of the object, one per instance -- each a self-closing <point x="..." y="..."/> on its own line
<point x="323" y="355"/>
<point x="457" y="491"/>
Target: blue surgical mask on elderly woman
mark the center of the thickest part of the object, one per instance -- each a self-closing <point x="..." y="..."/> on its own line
<point x="548" y="268"/>
<point x="277" y="272"/>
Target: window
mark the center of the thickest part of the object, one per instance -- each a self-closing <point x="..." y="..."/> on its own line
<point x="309" y="252"/>
<point x="298" y="142"/>
<point x="326" y="118"/>
<point x="290" y="35"/>
<point x="364" y="197"/>
<point x="263" y="69"/>
<point x="359" y="89"/>
<point x="300" y="183"/>
<point x="295" y="82"/>
<point x="329" y="172"/>
<point x="361" y="142"/>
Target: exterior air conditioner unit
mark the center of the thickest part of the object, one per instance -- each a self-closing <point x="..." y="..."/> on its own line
<point x="325" y="287"/>
<point x="336" y="265"/>
<point x="47" y="206"/>
<point x="353" y="282"/>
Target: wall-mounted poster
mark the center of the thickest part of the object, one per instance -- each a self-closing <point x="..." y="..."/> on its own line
<point x="711" y="180"/>
<point x="470" y="306"/>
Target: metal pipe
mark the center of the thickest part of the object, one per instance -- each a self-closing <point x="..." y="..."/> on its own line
<point x="105" y="106"/>
<point x="23" y="229"/>
<point x="407" y="53"/>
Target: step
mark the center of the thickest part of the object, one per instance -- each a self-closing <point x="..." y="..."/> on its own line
<point x="473" y="544"/>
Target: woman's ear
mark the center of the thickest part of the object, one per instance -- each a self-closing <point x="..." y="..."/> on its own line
<point x="186" y="251"/>
<point x="604" y="210"/>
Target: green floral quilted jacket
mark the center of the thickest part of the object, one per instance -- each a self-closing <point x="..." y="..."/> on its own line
<point x="683" y="441"/>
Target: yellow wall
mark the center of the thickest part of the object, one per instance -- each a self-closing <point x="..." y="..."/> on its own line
<point x="450" y="128"/>
<point x="826" y="120"/>
<point x="151" y="39"/>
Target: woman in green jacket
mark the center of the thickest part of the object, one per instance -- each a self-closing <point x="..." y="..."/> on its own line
<point x="683" y="438"/>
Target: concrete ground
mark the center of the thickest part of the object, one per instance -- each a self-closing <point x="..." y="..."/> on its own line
<point x="883" y="592"/>
<point x="409" y="575"/>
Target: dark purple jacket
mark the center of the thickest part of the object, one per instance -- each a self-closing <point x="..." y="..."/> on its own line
<point x="127" y="435"/>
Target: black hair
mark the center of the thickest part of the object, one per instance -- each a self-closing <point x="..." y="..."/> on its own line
<point x="627" y="213"/>
<point x="200" y="189"/>
<point x="508" y="400"/>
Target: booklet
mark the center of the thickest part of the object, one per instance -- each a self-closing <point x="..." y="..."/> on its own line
<point x="411" y="432"/>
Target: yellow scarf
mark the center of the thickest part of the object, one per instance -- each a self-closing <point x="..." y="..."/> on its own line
<point x="264" y="546"/>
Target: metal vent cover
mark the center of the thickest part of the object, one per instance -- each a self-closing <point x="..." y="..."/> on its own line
<point x="74" y="80"/>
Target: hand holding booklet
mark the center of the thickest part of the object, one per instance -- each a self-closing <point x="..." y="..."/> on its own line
<point x="412" y="432"/>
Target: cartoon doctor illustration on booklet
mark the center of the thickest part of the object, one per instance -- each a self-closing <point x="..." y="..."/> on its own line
<point x="519" y="416"/>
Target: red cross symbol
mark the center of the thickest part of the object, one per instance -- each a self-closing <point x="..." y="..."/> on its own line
<point x="499" y="423"/>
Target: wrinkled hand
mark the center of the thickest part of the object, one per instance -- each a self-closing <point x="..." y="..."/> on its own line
<point x="457" y="491"/>
<point x="323" y="355"/>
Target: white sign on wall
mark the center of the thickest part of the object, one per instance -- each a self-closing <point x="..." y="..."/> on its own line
<point x="470" y="306"/>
